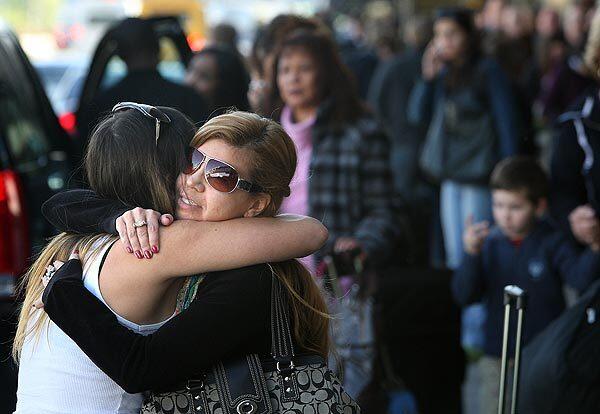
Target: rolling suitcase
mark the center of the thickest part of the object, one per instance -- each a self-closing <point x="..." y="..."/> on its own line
<point x="515" y="297"/>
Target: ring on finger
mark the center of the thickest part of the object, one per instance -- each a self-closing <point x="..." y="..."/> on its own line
<point x="139" y="223"/>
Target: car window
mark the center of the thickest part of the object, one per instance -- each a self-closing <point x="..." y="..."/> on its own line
<point x="50" y="75"/>
<point x="22" y="129"/>
<point x="170" y="66"/>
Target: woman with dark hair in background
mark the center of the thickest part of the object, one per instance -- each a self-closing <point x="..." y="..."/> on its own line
<point x="265" y="46"/>
<point x="343" y="174"/>
<point x="465" y="100"/>
<point x="219" y="75"/>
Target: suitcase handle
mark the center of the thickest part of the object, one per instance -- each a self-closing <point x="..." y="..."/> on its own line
<point x="517" y="297"/>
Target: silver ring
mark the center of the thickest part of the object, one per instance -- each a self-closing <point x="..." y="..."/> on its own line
<point x="139" y="223"/>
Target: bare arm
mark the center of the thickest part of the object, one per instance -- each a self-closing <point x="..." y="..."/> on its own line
<point x="191" y="247"/>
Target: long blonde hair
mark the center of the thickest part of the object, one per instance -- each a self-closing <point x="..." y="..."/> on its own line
<point x="59" y="248"/>
<point x="272" y="157"/>
<point x="146" y="180"/>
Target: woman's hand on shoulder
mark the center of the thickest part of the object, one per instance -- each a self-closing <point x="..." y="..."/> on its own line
<point x="138" y="231"/>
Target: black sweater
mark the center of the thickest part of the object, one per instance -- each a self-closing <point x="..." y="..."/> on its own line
<point x="229" y="317"/>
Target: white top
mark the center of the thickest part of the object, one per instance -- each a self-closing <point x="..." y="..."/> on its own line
<point x="55" y="376"/>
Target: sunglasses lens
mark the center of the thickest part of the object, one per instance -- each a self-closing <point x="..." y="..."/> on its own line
<point x="220" y="176"/>
<point x="195" y="159"/>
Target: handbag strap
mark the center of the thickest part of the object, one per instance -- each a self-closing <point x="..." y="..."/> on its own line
<point x="282" y="346"/>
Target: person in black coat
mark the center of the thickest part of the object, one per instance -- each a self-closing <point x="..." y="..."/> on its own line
<point x="138" y="46"/>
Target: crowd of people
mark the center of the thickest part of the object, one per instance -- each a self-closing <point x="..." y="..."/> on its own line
<point x="468" y="144"/>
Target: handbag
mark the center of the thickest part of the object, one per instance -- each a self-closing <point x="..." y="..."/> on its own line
<point x="461" y="144"/>
<point x="281" y="383"/>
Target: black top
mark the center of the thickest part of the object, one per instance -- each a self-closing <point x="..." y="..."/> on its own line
<point x="229" y="317"/>
<point x="82" y="211"/>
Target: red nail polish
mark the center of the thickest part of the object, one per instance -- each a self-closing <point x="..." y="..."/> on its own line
<point x="129" y="249"/>
<point x="148" y="255"/>
<point x="76" y="251"/>
<point x="138" y="254"/>
<point x="155" y="249"/>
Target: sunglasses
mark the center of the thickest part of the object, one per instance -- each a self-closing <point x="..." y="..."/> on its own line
<point x="148" y="111"/>
<point x="219" y="175"/>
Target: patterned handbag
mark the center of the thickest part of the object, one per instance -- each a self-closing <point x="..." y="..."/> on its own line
<point x="284" y="383"/>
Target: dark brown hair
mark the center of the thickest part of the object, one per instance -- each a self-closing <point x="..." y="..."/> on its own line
<point x="110" y="166"/>
<point x="270" y="37"/>
<point x="458" y="75"/>
<point x="521" y="174"/>
<point x="335" y="81"/>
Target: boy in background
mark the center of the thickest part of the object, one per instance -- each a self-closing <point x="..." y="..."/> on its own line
<point x="525" y="249"/>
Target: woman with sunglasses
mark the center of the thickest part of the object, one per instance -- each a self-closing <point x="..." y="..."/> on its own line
<point x="135" y="297"/>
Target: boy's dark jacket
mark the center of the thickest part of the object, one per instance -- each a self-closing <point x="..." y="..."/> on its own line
<point x="541" y="265"/>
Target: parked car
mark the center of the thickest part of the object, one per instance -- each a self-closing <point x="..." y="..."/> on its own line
<point x="35" y="163"/>
<point x="35" y="160"/>
<point x="63" y="80"/>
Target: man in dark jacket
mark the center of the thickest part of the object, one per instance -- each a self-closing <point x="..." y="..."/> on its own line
<point x="138" y="46"/>
<point x="575" y="170"/>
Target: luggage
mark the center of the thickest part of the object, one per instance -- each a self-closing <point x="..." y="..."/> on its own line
<point x="352" y="306"/>
<point x="515" y="297"/>
<point x="560" y="373"/>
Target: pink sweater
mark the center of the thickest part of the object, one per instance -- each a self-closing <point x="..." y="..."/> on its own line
<point x="297" y="202"/>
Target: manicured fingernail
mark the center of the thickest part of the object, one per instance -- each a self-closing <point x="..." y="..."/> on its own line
<point x="155" y="249"/>
<point x="148" y="254"/>
<point x="138" y="254"/>
<point x="129" y="249"/>
<point x="76" y="251"/>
